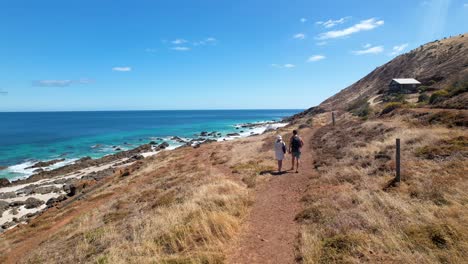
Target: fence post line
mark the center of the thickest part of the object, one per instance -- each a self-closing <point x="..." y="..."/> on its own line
<point x="397" y="159"/>
<point x="333" y="118"/>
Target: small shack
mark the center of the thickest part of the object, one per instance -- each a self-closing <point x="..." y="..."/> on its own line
<point x="404" y="85"/>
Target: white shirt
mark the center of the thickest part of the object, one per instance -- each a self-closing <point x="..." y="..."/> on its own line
<point x="279" y="153"/>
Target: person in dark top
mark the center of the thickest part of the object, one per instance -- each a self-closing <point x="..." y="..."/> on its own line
<point x="295" y="145"/>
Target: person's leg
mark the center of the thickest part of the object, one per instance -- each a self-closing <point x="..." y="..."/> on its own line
<point x="280" y="165"/>
<point x="292" y="161"/>
<point x="297" y="164"/>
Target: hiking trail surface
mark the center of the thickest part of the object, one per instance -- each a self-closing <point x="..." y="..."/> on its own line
<point x="270" y="233"/>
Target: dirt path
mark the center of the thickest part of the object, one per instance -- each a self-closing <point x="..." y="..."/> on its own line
<point x="270" y="232"/>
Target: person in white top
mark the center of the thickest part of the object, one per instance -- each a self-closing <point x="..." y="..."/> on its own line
<point x="280" y="150"/>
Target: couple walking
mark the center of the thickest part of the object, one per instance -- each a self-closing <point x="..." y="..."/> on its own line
<point x="295" y="145"/>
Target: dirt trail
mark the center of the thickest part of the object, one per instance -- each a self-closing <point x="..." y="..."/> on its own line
<point x="270" y="232"/>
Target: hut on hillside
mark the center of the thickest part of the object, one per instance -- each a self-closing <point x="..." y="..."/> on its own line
<point x="404" y="85"/>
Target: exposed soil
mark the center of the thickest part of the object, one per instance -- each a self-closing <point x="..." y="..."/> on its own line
<point x="270" y="232"/>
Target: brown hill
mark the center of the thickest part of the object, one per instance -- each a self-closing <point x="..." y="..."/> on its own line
<point x="437" y="64"/>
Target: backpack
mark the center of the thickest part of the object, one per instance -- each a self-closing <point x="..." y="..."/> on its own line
<point x="296" y="144"/>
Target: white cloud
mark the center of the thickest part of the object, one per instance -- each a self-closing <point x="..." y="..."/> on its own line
<point x="364" y="25"/>
<point x="331" y="23"/>
<point x="303" y="20"/>
<point x="299" y="36"/>
<point x="60" y="83"/>
<point x="206" y="41"/>
<point x="287" y="65"/>
<point x="399" y="48"/>
<point x="370" y="50"/>
<point x="122" y="69"/>
<point x="321" y="43"/>
<point x="316" y="58"/>
<point x="368" y="45"/>
<point x="180" y="48"/>
<point x="178" y="41"/>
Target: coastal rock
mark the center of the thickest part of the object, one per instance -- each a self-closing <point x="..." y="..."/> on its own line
<point x="45" y="163"/>
<point x="16" y="203"/>
<point x="204" y="133"/>
<point x="178" y="139"/>
<point x="38" y="170"/>
<point x="4" y="182"/>
<point x="98" y="175"/>
<point x="32" y="202"/>
<point x="53" y="201"/>
<point x="137" y="157"/>
<point x="46" y="189"/>
<point x="7" y="195"/>
<point x="233" y="135"/>
<point x="26" y="217"/>
<point x="196" y="146"/>
<point x="117" y="149"/>
<point x="3" y="167"/>
<point x="27" y="190"/>
<point x="153" y="143"/>
<point x="14" y="211"/>
<point x="163" y="145"/>
<point x="62" y="181"/>
<point x="4" y="205"/>
<point x="8" y="224"/>
<point x="69" y="189"/>
<point x="83" y="159"/>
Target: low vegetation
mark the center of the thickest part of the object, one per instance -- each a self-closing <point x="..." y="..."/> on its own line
<point x="353" y="215"/>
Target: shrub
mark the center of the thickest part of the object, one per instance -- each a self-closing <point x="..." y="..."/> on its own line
<point x="438" y="96"/>
<point x="394" y="97"/>
<point x="360" y="108"/>
<point x="390" y="107"/>
<point x="423" y="98"/>
<point x="457" y="88"/>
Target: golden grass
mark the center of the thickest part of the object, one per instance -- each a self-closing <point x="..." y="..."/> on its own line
<point x="351" y="217"/>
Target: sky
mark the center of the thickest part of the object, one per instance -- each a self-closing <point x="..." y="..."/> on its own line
<point x="209" y="54"/>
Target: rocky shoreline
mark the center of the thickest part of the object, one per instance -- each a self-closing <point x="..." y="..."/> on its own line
<point x="23" y="199"/>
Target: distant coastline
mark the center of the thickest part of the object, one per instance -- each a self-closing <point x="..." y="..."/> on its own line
<point x="67" y="151"/>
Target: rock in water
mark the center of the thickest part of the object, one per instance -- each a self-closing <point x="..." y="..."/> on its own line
<point x="45" y="163"/>
<point x="32" y="202"/>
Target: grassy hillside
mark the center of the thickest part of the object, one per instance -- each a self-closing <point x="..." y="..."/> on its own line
<point x="354" y="214"/>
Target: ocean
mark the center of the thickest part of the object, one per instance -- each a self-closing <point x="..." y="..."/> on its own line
<point x="29" y="137"/>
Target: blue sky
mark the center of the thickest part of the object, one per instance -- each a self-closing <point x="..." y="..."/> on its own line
<point x="207" y="54"/>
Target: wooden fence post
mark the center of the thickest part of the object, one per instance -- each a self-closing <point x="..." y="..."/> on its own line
<point x="333" y="118"/>
<point x="397" y="159"/>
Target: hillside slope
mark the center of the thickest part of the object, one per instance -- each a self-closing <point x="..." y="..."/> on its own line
<point x="437" y="64"/>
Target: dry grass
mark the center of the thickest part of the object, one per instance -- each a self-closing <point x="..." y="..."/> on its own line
<point x="351" y="216"/>
<point x="179" y="208"/>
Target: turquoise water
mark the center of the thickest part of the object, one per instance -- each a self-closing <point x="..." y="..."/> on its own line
<point x="26" y="138"/>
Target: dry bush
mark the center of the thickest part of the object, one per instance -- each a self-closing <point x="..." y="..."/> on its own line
<point x="349" y="215"/>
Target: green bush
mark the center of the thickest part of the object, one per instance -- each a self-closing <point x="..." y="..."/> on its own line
<point x="438" y="96"/>
<point x="394" y="97"/>
<point x="390" y="107"/>
<point x="423" y="98"/>
<point x="457" y="88"/>
<point x="360" y="108"/>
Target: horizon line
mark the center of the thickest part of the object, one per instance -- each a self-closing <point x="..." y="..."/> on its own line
<point x="149" y="110"/>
